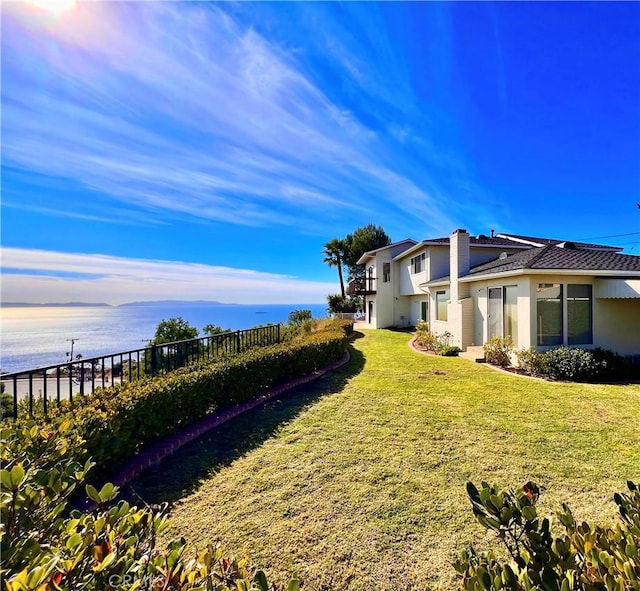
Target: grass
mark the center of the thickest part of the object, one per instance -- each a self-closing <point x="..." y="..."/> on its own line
<point x="358" y="481"/>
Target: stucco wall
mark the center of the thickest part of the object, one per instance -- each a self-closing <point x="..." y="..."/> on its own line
<point x="616" y="325"/>
<point x="408" y="280"/>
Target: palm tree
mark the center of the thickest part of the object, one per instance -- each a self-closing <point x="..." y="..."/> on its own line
<point x="334" y="254"/>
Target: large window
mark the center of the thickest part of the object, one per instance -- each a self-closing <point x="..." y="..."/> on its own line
<point x="579" y="315"/>
<point x="549" y="313"/>
<point x="503" y="312"/>
<point x="442" y="299"/>
<point x="417" y="263"/>
<point x="511" y="313"/>
<point x="386" y="272"/>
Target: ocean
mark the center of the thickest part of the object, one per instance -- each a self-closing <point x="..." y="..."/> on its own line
<point x="34" y="337"/>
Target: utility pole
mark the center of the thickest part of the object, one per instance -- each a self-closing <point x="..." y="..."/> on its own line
<point x="70" y="353"/>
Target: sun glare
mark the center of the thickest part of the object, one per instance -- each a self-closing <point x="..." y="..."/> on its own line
<point x="56" y="6"/>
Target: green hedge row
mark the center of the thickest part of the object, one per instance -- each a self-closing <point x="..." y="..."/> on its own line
<point x="117" y="423"/>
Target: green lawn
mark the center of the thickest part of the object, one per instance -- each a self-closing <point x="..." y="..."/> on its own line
<point x="358" y="481"/>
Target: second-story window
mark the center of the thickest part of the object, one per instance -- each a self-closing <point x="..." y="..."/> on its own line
<point x="418" y="263"/>
<point x="386" y="272"/>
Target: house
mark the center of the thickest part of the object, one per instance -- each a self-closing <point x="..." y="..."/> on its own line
<point x="540" y="292"/>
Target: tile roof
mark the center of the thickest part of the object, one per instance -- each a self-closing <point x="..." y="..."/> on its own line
<point x="556" y="258"/>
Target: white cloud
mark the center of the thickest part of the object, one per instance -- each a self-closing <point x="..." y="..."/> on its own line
<point x="45" y="276"/>
<point x="182" y="108"/>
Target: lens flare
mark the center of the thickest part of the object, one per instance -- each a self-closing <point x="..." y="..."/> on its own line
<point x="56" y="6"/>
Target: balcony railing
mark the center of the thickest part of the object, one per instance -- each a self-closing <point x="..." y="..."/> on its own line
<point x="362" y="286"/>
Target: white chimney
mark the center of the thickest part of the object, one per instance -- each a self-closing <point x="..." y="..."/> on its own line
<point x="459" y="261"/>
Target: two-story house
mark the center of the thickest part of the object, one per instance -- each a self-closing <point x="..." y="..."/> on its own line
<point x="538" y="291"/>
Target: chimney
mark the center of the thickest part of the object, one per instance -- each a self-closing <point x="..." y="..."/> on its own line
<point x="459" y="261"/>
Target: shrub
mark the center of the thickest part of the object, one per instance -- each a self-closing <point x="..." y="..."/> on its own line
<point x="119" y="422"/>
<point x="299" y="316"/>
<point x="582" y="557"/>
<point x="336" y="303"/>
<point x="497" y="351"/>
<point x="579" y="365"/>
<point x="45" y="548"/>
<point x="449" y="351"/>
<point x="438" y="344"/>
<point x="531" y="361"/>
<point x="6" y="405"/>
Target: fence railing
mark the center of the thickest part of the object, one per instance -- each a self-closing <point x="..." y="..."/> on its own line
<point x="54" y="383"/>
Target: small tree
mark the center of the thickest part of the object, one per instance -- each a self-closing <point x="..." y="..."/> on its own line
<point x="299" y="316"/>
<point x="363" y="240"/>
<point x="174" y="329"/>
<point x="213" y="329"/>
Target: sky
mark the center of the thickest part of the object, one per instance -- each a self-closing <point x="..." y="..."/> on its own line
<point x="197" y="150"/>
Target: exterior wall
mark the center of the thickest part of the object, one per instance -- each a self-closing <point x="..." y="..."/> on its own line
<point x="616" y="325"/>
<point x="409" y="280"/>
<point x="384" y="294"/>
<point x="438" y="262"/>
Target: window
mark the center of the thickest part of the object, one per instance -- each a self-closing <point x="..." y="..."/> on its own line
<point x="511" y="313"/>
<point x="549" y="313"/>
<point x="416" y="263"/>
<point x="579" y="315"/>
<point x="442" y="299"/>
<point x="503" y="312"/>
<point x="424" y="311"/>
<point x="386" y="272"/>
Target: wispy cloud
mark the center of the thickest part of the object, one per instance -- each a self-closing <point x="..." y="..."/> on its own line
<point x="182" y="108"/>
<point x="38" y="274"/>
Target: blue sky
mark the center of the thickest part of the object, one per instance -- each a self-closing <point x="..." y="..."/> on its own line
<point x="162" y="150"/>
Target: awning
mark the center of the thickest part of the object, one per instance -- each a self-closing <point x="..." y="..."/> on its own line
<point x="617" y="288"/>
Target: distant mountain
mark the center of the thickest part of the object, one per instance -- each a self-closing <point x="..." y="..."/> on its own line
<point x="52" y="305"/>
<point x="174" y="302"/>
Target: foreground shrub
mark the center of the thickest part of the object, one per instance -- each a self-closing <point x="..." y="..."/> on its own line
<point x="497" y="351"/>
<point x="45" y="548"/>
<point x="579" y="365"/>
<point x="116" y="423"/>
<point x="582" y="557"/>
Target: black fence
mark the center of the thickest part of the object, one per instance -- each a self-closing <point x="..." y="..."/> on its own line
<point x="54" y="383"/>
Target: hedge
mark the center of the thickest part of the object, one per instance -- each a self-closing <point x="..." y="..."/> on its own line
<point x="116" y="423"/>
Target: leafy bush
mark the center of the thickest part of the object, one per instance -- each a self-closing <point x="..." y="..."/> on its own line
<point x="449" y="351"/>
<point x="299" y="316"/>
<point x="46" y="548"/>
<point x="6" y="405"/>
<point x="497" y="351"/>
<point x="531" y="361"/>
<point x="579" y="365"/>
<point x="583" y="557"/>
<point x="438" y="344"/>
<point x="336" y="303"/>
<point x="119" y="422"/>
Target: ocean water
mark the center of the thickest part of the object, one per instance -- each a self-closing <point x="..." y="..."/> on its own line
<point x="34" y="337"/>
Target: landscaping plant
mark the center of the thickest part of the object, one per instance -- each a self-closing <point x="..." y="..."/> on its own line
<point x="46" y="547"/>
<point x="582" y="556"/>
<point x="497" y="351"/>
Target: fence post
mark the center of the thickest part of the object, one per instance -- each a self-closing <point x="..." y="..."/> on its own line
<point x="237" y="341"/>
<point x="278" y="332"/>
<point x="154" y="361"/>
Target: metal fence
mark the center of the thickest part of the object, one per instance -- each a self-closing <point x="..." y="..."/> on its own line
<point x="54" y="383"/>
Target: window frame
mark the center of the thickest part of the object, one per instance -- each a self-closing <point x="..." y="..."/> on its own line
<point x="571" y="301"/>
<point x="444" y="303"/>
